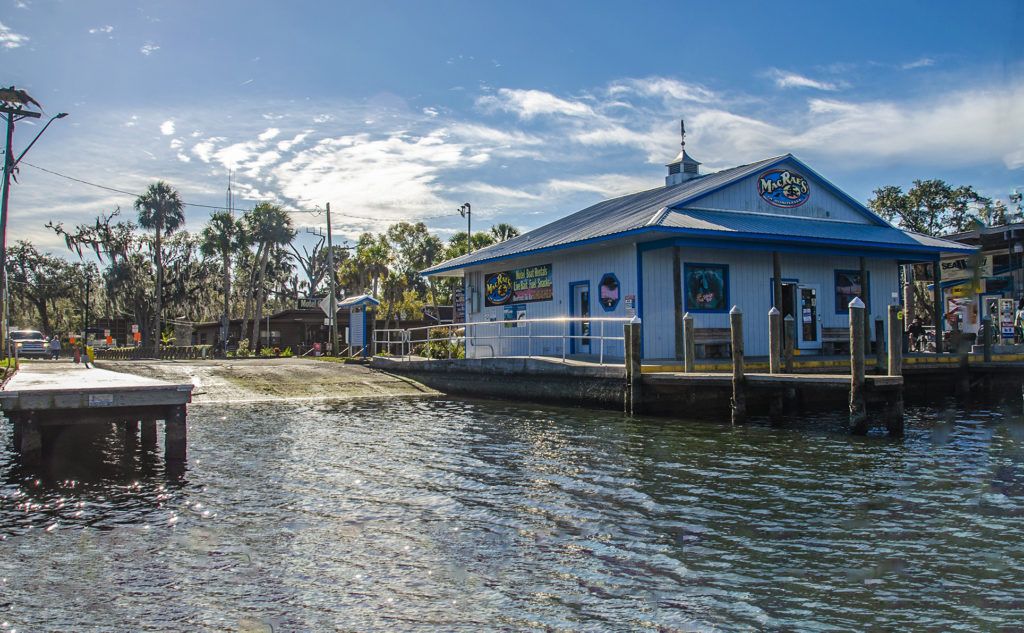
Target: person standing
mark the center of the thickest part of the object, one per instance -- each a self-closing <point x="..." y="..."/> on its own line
<point x="54" y="347"/>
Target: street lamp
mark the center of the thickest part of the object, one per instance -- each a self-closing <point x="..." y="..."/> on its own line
<point x="466" y="212"/>
<point x="13" y="115"/>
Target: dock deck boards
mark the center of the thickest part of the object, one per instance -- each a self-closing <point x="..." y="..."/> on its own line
<point x="44" y="387"/>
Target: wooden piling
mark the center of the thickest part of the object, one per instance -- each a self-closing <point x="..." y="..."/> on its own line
<point x="858" y="408"/>
<point x="789" y="324"/>
<point x="880" y="345"/>
<point x="634" y="386"/>
<point x="895" y="367"/>
<point x="986" y="325"/>
<point x="774" y="341"/>
<point x="894" y="417"/>
<point x="739" y="397"/>
<point x="149" y="433"/>
<point x="865" y="296"/>
<point x="175" y="433"/>
<point x="690" y="349"/>
<point x="937" y="310"/>
<point x="30" y="444"/>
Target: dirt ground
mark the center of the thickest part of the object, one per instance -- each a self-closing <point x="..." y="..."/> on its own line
<point x="255" y="380"/>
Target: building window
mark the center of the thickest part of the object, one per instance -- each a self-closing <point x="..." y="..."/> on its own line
<point x="848" y="286"/>
<point x="202" y="338"/>
<point x="706" y="287"/>
<point x="608" y="292"/>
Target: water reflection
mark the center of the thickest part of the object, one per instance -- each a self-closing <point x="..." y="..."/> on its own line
<point x="464" y="515"/>
<point x="97" y="475"/>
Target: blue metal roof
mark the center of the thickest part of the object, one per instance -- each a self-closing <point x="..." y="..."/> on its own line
<point x="657" y="210"/>
<point x="358" y="300"/>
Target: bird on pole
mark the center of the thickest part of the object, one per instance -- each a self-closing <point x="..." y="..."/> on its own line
<point x="16" y="97"/>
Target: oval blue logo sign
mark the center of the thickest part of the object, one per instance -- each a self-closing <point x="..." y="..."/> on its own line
<point x="783" y="188"/>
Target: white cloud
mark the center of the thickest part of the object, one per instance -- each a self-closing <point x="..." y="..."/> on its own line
<point x="607" y="185"/>
<point x="204" y="149"/>
<point x="662" y="87"/>
<point x="284" y="146"/>
<point x="785" y="79"/>
<point x="527" y="104"/>
<point x="269" y="133"/>
<point x="430" y="112"/>
<point x="132" y="121"/>
<point x="499" y="192"/>
<point x="167" y="127"/>
<point x="10" y="39"/>
<point x="149" y="48"/>
<point x="101" y="29"/>
<point x="918" y="63"/>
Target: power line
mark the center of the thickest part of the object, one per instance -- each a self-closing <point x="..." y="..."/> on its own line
<point x="316" y="212"/>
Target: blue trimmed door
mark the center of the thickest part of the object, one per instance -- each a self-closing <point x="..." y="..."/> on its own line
<point x="580" y="307"/>
<point x="808" y="315"/>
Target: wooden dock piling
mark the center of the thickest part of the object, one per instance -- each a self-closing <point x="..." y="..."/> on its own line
<point x="879" y="345"/>
<point x="858" y="407"/>
<point x="986" y="325"/>
<point x="739" y="397"/>
<point x="774" y="341"/>
<point x="634" y="384"/>
<point x="789" y="324"/>
<point x="690" y="347"/>
<point x="895" y="417"/>
<point x="174" y="433"/>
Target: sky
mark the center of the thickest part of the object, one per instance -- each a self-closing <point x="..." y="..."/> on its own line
<point x="527" y="110"/>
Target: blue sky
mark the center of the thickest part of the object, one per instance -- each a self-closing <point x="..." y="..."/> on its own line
<point x="528" y="110"/>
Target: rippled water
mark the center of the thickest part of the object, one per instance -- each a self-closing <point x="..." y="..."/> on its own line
<point x="465" y="515"/>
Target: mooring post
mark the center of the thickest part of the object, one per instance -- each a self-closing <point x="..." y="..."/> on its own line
<point x="689" y="347"/>
<point x="895" y="417"/>
<point x="739" y="398"/>
<point x="880" y="345"/>
<point x="774" y="340"/>
<point x="986" y="325"/>
<point x="175" y="433"/>
<point x="634" y="387"/>
<point x="895" y="343"/>
<point x="858" y="409"/>
<point x="31" y="442"/>
<point x="789" y="324"/>
<point x="130" y="429"/>
<point x="148" y="434"/>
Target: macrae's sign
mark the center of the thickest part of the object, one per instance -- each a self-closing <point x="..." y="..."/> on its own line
<point x="783" y="188"/>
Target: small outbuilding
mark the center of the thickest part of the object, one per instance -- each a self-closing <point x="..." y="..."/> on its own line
<point x="769" y="233"/>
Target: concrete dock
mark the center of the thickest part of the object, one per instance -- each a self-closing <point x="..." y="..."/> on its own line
<point x="56" y="394"/>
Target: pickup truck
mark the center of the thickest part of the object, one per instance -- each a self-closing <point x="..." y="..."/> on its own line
<point x="30" y="343"/>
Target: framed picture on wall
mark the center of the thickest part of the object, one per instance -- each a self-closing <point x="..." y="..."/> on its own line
<point x="848" y="286"/>
<point x="706" y="287"/>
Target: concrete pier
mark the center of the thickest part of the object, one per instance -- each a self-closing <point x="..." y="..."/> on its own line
<point x="65" y="394"/>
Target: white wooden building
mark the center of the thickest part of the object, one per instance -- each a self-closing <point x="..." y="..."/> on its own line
<point x="698" y="244"/>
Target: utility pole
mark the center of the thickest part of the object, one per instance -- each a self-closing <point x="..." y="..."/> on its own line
<point x="13" y="115"/>
<point x="466" y="211"/>
<point x="330" y="276"/>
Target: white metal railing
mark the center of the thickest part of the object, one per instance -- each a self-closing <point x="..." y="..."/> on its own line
<point x="452" y="337"/>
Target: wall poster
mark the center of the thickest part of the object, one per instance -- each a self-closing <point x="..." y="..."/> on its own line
<point x="848" y="286"/>
<point x="522" y="285"/>
<point x="706" y="287"/>
<point x="609" y="291"/>
<point x="514" y="313"/>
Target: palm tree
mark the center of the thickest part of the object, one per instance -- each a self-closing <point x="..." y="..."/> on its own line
<point x="161" y="210"/>
<point x="504" y="232"/>
<point x="224" y="236"/>
<point x="269" y="226"/>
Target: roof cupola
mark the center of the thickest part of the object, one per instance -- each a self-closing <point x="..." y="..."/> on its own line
<point x="684" y="167"/>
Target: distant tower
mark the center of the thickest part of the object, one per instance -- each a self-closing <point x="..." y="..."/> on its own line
<point x="684" y="167"/>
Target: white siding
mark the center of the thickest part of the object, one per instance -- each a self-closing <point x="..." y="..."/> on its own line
<point x="583" y="264"/>
<point x="743" y="196"/>
<point x="750" y="288"/>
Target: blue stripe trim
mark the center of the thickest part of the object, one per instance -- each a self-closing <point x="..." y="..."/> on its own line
<point x="919" y="253"/>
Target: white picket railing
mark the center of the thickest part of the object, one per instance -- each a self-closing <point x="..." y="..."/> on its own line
<point x="485" y="334"/>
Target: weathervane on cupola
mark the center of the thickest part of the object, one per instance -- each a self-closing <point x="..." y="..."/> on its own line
<point x="684" y="167"/>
